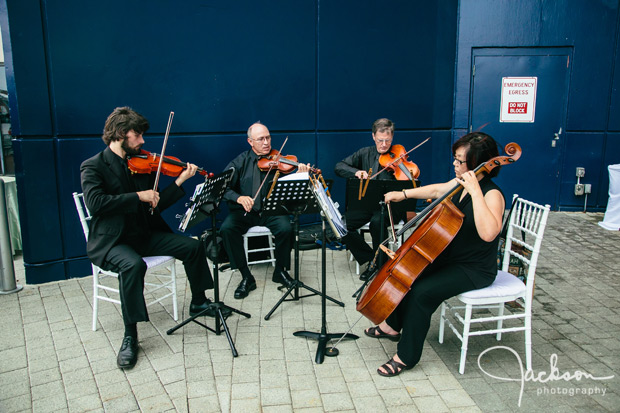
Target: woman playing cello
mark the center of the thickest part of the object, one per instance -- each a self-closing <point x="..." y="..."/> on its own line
<point x="469" y="262"/>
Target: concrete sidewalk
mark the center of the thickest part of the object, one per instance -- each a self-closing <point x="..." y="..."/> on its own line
<point x="50" y="360"/>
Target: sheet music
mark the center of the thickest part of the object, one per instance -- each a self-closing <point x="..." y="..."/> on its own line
<point x="329" y="209"/>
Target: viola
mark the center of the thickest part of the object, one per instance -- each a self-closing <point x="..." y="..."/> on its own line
<point x="438" y="224"/>
<point x="283" y="163"/>
<point x="396" y="160"/>
<point x="147" y="162"/>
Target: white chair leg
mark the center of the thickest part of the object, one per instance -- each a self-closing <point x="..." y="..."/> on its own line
<point x="245" y="248"/>
<point x="466" y="326"/>
<point x="442" y="319"/>
<point x="500" y="322"/>
<point x="95" y="300"/>
<point x="173" y="274"/>
<point x="528" y="341"/>
<point x="271" y="249"/>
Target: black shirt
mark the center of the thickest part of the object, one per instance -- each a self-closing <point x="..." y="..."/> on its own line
<point x="363" y="160"/>
<point x="244" y="180"/>
<point x="477" y="257"/>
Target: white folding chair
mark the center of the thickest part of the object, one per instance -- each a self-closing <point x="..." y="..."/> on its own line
<point x="161" y="281"/>
<point x="259" y="231"/>
<point x="528" y="218"/>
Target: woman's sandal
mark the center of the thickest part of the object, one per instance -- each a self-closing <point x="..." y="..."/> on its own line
<point x="392" y="368"/>
<point x="376" y="332"/>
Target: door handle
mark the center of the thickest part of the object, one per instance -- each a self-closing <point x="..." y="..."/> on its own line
<point x="556" y="138"/>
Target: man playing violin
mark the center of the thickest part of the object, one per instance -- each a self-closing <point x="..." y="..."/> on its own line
<point x="469" y="262"/>
<point x="245" y="205"/>
<point x="357" y="166"/>
<point x="126" y="225"/>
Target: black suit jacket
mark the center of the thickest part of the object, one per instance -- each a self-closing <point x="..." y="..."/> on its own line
<point x="110" y="197"/>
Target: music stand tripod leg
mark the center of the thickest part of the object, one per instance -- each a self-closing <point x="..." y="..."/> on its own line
<point x="220" y="319"/>
<point x="323" y="337"/>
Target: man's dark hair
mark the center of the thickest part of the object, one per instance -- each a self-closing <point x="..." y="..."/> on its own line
<point x="383" y="125"/>
<point x="480" y="148"/>
<point x="121" y="121"/>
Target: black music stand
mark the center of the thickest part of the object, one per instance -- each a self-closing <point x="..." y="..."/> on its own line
<point x="327" y="211"/>
<point x="205" y="200"/>
<point x="293" y="197"/>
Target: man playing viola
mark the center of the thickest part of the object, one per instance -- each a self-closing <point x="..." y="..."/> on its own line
<point x="357" y="166"/>
<point x="245" y="201"/>
<point x="123" y="229"/>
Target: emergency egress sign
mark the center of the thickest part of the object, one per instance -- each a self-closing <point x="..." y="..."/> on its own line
<point x="518" y="99"/>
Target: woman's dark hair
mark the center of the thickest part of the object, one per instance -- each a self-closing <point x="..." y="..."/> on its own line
<point x="121" y="121"/>
<point x="480" y="148"/>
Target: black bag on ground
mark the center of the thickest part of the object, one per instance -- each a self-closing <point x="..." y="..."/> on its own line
<point x="215" y="250"/>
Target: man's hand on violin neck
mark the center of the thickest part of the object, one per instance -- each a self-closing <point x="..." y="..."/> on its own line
<point x="304" y="167"/>
<point x="186" y="174"/>
<point x="151" y="197"/>
<point x="361" y="174"/>
<point x="246" y="202"/>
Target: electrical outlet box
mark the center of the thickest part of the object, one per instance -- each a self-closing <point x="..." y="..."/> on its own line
<point x="588" y="188"/>
<point x="579" y="189"/>
<point x="581" y="172"/>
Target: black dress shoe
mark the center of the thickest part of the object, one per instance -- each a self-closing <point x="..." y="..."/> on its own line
<point x="369" y="272"/>
<point x="210" y="307"/>
<point x="245" y="286"/>
<point x="128" y="354"/>
<point x="195" y="309"/>
<point x="283" y="278"/>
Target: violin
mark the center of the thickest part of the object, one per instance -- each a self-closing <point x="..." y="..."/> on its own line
<point x="396" y="160"/>
<point x="283" y="163"/>
<point x="441" y="221"/>
<point x="147" y="162"/>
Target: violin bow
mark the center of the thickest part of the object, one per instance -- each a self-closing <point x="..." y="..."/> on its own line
<point x="265" y="178"/>
<point x="401" y="157"/>
<point x="161" y="158"/>
<point x="163" y="150"/>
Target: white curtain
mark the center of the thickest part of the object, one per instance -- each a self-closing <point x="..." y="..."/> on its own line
<point x="612" y="214"/>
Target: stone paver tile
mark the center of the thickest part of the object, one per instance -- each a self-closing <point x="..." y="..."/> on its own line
<point x="22" y="403"/>
<point x="245" y="405"/>
<point x="159" y="403"/>
<point x="245" y="391"/>
<point x="456" y="398"/>
<point x="275" y="396"/>
<point x="84" y="403"/>
<point x="50" y="404"/>
<point x="337" y="402"/>
<point x="372" y="404"/>
<point x="431" y="404"/>
<point x="306" y="398"/>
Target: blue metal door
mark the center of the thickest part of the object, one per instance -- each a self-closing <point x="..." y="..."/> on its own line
<point x="536" y="176"/>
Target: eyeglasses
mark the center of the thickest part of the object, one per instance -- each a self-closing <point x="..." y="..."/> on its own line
<point x="459" y="161"/>
<point x="382" y="141"/>
<point x="263" y="139"/>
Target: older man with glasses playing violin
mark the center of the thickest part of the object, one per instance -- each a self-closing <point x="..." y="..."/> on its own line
<point x="126" y="225"/>
<point x="245" y="197"/>
<point x="357" y="166"/>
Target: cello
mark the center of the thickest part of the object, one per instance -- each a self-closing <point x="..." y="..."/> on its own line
<point x="437" y="225"/>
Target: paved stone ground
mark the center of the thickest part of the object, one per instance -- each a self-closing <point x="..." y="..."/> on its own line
<point x="50" y="360"/>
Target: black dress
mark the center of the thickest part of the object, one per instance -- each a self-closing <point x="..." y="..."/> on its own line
<point x="468" y="263"/>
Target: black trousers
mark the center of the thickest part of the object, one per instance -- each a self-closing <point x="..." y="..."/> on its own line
<point x="412" y="317"/>
<point x="126" y="259"/>
<point x="355" y="241"/>
<point x="236" y="224"/>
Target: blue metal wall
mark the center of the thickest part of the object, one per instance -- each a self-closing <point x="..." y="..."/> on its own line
<point x="318" y="72"/>
<point x="591" y="29"/>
